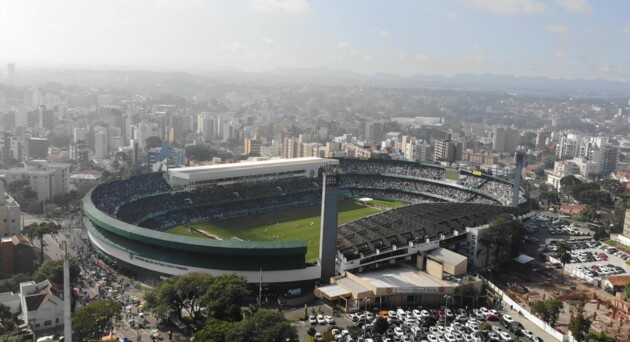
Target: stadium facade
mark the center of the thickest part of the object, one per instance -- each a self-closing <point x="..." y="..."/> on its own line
<point x="126" y="219"/>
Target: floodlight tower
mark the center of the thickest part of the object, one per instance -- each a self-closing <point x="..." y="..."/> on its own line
<point x="329" y="222"/>
<point x="518" y="159"/>
<point x="67" y="321"/>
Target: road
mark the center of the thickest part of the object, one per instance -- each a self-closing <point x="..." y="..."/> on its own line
<point x="92" y="272"/>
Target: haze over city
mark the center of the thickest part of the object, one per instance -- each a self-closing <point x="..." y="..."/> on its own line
<point x="559" y="38"/>
<point x="315" y="170"/>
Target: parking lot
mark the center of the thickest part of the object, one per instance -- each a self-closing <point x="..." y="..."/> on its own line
<point x="433" y="325"/>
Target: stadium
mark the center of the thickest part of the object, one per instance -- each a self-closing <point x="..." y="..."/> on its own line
<point x="149" y="224"/>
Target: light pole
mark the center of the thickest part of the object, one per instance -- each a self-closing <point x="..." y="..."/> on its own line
<point x="367" y="301"/>
<point x="446" y="298"/>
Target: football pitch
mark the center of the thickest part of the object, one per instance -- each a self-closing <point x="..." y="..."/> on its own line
<point x="302" y="223"/>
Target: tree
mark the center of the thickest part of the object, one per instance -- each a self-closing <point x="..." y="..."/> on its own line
<point x="594" y="197"/>
<point x="53" y="271"/>
<point x="381" y="325"/>
<point x="549" y="197"/>
<point x="626" y="290"/>
<point x="612" y="186"/>
<point x="540" y="171"/>
<point x="214" y="330"/>
<point x="579" y="325"/>
<point x="13" y="284"/>
<point x="564" y="253"/>
<point x="263" y="326"/>
<point x="224" y="292"/>
<point x="568" y="184"/>
<point x="39" y="230"/>
<point x="548" y="310"/>
<point x="180" y="293"/>
<point x="153" y="142"/>
<point x="90" y="322"/>
<point x="601" y="337"/>
<point x="587" y="214"/>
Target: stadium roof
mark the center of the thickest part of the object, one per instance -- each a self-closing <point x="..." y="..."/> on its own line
<point x="232" y="170"/>
<point x="417" y="223"/>
<point x="249" y="165"/>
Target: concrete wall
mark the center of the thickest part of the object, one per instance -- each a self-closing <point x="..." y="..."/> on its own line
<point x="531" y="317"/>
<point x="435" y="269"/>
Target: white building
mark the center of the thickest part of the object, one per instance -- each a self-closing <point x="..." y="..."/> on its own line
<point x="417" y="151"/>
<point x="46" y="179"/>
<point x="79" y="134"/>
<point x="101" y="150"/>
<point x="10" y="222"/>
<point x="42" y="305"/>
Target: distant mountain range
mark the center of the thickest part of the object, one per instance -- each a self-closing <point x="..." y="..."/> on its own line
<point x="489" y="81"/>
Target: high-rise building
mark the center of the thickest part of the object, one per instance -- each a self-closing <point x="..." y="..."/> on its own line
<point x="568" y="147"/>
<point x="447" y="150"/>
<point x="373" y="131"/>
<point x="605" y="158"/>
<point x="37" y="148"/>
<point x="101" y="145"/>
<point x="11" y="73"/>
<point x="417" y="151"/>
<point x="252" y="147"/>
<point x="541" y="138"/>
<point x="504" y="140"/>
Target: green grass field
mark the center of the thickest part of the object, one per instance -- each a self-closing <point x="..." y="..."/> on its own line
<point x="451" y="174"/>
<point x="290" y="224"/>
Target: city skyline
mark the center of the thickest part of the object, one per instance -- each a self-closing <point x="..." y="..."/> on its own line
<point x="558" y="39"/>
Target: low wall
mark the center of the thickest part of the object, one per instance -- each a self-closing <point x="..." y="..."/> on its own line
<point x="621" y="239"/>
<point x="531" y="317"/>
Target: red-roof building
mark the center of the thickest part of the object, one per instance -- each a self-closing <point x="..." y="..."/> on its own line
<point x="16" y="256"/>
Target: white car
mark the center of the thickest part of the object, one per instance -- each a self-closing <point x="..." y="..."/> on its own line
<point x="398" y="331"/>
<point x="416" y="313"/>
<point x="432" y="338"/>
<point x="527" y="334"/>
<point x="449" y="337"/>
<point x="318" y="337"/>
<point x="493" y="336"/>
<point x="425" y="313"/>
<point x="321" y="320"/>
<point x="497" y="329"/>
<point x="312" y="320"/>
<point x="336" y="333"/>
<point x="329" y="320"/>
<point x="507" y="319"/>
<point x="505" y="336"/>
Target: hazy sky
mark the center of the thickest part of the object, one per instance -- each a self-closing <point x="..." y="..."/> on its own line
<point x="557" y="38"/>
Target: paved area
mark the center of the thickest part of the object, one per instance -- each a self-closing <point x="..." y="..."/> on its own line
<point x="126" y="325"/>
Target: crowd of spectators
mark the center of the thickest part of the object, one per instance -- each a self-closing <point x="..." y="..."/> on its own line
<point x="471" y="181"/>
<point x="147" y="200"/>
<point x="390" y="167"/>
<point x="137" y="211"/>
<point x="424" y="188"/>
<point x="392" y="195"/>
<point x="499" y="190"/>
<point x="111" y="195"/>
